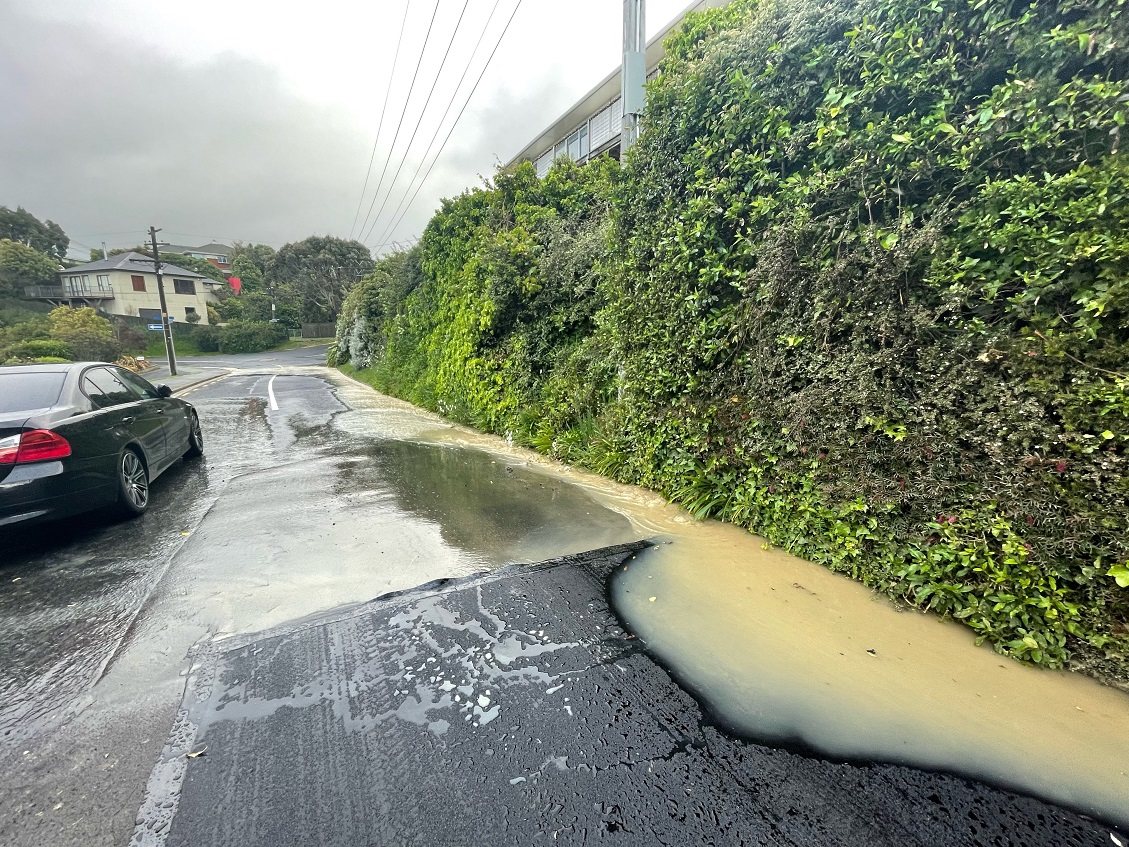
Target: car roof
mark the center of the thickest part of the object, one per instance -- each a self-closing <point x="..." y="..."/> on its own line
<point x="59" y="367"/>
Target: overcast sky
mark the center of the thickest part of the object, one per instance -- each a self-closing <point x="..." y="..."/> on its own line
<point x="247" y="120"/>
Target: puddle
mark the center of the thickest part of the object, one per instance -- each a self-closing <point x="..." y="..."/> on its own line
<point x="503" y="511"/>
<point x="785" y="652"/>
<point x="777" y="648"/>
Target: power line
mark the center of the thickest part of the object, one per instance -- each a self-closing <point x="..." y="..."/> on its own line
<point x="443" y="146"/>
<point x="423" y="111"/>
<point x="380" y="125"/>
<point x="447" y="111"/>
<point x="403" y="113"/>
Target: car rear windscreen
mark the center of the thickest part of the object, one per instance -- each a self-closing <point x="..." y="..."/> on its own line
<point x="29" y="391"/>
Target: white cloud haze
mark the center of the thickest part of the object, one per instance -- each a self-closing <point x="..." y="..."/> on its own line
<point x="251" y="121"/>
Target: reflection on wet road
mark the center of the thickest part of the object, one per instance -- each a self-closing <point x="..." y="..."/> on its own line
<point x="327" y="501"/>
<point x="341" y="495"/>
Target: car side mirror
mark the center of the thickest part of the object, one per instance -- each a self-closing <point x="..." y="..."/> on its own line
<point x="164" y="391"/>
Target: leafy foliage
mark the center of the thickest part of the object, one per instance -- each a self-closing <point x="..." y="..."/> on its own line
<point x="241" y="337"/>
<point x="320" y="271"/>
<point x="87" y="335"/>
<point x="45" y="237"/>
<point x="869" y="297"/>
<point x="21" y="266"/>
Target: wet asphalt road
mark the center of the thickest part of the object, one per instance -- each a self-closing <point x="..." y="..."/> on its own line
<point x="294" y="511"/>
<point x="312" y="508"/>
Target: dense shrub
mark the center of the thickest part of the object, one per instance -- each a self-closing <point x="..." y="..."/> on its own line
<point x="93" y="347"/>
<point x="207" y="338"/>
<point x="869" y="296"/>
<point x="37" y="349"/>
<point x="238" y="337"/>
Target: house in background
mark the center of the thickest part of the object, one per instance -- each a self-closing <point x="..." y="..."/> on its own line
<point x="594" y="125"/>
<point x="126" y="284"/>
<point x="218" y="254"/>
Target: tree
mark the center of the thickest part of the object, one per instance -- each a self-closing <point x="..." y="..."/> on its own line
<point x="249" y="273"/>
<point x="321" y="270"/>
<point x="46" y="237"/>
<point x="89" y="336"/>
<point x="96" y="255"/>
<point x="21" y="265"/>
<point x="258" y="254"/>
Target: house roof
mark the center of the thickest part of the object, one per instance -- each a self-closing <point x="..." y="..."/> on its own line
<point x="136" y="263"/>
<point x="214" y="247"/>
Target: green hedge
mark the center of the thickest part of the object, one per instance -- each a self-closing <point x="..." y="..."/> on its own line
<point x="36" y="349"/>
<point x="239" y="337"/>
<point x="862" y="286"/>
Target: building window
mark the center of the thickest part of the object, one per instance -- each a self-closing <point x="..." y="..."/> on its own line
<point x="189" y="313"/>
<point x="103" y="282"/>
<point x="573" y="142"/>
<point x="184" y="286"/>
<point x="152" y="316"/>
<point x="221" y="259"/>
<point x="138" y="283"/>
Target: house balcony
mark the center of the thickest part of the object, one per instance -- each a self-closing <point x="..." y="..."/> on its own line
<point x="59" y="293"/>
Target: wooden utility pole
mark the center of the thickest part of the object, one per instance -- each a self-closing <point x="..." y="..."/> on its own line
<point x="166" y="328"/>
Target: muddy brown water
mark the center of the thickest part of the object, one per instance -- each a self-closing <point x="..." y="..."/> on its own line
<point x="784" y="651"/>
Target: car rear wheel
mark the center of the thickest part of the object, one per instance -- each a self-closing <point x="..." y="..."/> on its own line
<point x="195" y="438"/>
<point x="133" y="485"/>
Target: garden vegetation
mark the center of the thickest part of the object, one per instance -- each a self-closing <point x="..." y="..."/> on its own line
<point x="862" y="286"/>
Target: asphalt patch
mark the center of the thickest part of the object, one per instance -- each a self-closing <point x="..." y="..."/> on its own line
<point x="513" y="708"/>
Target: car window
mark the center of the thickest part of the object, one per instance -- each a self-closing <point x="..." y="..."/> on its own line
<point x="141" y="387"/>
<point x="105" y="390"/>
<point x="27" y="392"/>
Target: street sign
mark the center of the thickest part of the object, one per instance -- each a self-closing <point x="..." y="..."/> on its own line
<point x="156" y="327"/>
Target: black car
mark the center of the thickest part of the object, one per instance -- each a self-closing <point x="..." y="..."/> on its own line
<point x="76" y="437"/>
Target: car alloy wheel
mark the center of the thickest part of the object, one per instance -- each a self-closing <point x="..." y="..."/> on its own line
<point x="195" y="437"/>
<point x="134" y="483"/>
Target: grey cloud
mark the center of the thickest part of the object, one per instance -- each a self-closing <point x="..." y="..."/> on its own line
<point x="105" y="135"/>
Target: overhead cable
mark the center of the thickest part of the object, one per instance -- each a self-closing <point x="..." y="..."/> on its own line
<point x="443" y="120"/>
<point x="403" y="113"/>
<point x="380" y="125"/>
<point x="426" y="103"/>
<point x="459" y="117"/>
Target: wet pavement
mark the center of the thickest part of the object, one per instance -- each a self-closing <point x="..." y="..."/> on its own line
<point x="317" y="495"/>
<point x="287" y="516"/>
<point x="512" y="708"/>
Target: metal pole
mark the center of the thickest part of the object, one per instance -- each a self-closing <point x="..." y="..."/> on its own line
<point x="165" y="327"/>
<point x="634" y="73"/>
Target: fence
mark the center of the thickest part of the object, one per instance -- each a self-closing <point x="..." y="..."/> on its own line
<point x="319" y="330"/>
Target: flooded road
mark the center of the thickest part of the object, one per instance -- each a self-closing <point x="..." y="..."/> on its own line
<point x="325" y="502"/>
<point x="784" y="651"/>
<point x="341" y="495"/>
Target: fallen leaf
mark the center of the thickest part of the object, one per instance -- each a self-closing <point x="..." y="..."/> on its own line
<point x="197" y="754"/>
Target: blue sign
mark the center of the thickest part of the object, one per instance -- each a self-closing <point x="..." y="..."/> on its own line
<point x="156" y="327"/>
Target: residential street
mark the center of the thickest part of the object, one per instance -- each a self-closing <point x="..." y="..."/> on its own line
<point x="317" y="495"/>
<point x="294" y="511"/>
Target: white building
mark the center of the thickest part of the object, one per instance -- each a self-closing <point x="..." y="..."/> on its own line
<point x="126" y="284"/>
<point x="594" y="125"/>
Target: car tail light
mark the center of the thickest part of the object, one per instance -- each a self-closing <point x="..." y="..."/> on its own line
<point x="37" y="445"/>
